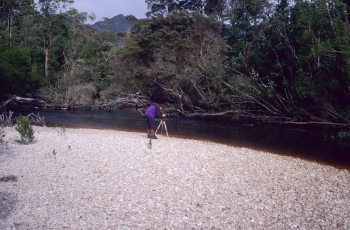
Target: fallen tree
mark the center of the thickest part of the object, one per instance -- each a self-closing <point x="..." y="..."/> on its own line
<point x="36" y="119"/>
<point x="31" y="102"/>
<point x="126" y="100"/>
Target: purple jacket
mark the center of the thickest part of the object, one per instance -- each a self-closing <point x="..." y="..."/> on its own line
<point x="153" y="111"/>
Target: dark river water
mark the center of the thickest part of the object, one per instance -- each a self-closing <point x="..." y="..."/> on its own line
<point x="313" y="145"/>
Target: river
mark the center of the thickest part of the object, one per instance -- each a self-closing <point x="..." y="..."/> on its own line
<point x="314" y="145"/>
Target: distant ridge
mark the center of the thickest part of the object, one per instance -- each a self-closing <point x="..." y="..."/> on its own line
<point x="114" y="25"/>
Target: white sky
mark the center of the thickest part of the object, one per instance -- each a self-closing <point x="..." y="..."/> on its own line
<point x="111" y="8"/>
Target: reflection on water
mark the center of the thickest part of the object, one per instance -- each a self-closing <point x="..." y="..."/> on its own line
<point x="311" y="145"/>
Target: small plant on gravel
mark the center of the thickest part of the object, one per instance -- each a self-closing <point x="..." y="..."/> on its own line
<point x="25" y="129"/>
<point x="150" y="144"/>
<point x="54" y="153"/>
<point x="63" y="130"/>
<point x="2" y="134"/>
<point x="2" y="137"/>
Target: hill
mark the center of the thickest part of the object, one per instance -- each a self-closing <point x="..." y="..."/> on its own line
<point x="115" y="24"/>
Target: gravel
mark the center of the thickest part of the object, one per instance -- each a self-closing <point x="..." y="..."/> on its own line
<point x="105" y="179"/>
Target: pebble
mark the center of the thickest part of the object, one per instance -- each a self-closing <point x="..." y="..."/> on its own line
<point x="105" y="179"/>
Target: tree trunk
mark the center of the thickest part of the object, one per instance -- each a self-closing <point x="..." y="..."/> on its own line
<point x="46" y="53"/>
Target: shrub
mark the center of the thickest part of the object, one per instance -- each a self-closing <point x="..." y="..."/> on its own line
<point x="2" y="135"/>
<point x="344" y="134"/>
<point x="25" y="129"/>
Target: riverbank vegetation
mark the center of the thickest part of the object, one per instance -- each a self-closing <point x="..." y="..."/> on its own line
<point x="267" y="61"/>
<point x="25" y="129"/>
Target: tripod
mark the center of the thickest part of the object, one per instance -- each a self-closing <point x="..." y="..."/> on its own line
<point x="163" y="124"/>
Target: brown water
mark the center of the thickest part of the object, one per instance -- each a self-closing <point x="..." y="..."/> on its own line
<point x="313" y="145"/>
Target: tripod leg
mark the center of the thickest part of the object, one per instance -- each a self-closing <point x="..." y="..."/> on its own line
<point x="158" y="127"/>
<point x="163" y="122"/>
<point x="166" y="129"/>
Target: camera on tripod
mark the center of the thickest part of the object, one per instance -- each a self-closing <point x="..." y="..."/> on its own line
<point x="162" y="124"/>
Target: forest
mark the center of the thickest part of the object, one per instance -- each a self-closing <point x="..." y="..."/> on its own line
<point x="269" y="61"/>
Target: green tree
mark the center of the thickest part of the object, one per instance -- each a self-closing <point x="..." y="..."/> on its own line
<point x="11" y="12"/>
<point x="183" y="56"/>
<point x="164" y="7"/>
<point x="15" y="71"/>
<point x="215" y="8"/>
<point x="321" y="38"/>
<point x="53" y="30"/>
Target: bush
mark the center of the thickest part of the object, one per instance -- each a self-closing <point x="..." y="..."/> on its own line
<point x="2" y="135"/>
<point x="344" y="134"/>
<point x="24" y="127"/>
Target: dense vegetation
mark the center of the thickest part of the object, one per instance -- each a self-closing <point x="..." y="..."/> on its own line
<point x="272" y="61"/>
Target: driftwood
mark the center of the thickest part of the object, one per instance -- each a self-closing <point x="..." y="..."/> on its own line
<point x="127" y="100"/>
<point x="6" y="119"/>
<point x="3" y="104"/>
<point x="124" y="101"/>
<point x="30" y="101"/>
<point x="228" y="113"/>
<point x="253" y="117"/>
<point x="36" y="119"/>
<point x="324" y="124"/>
<point x="207" y="114"/>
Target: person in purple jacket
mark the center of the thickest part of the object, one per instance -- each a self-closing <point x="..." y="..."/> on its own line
<point x="152" y="112"/>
